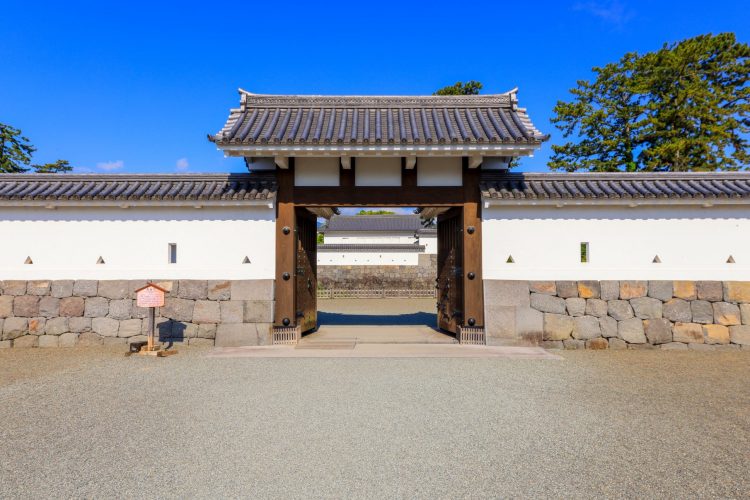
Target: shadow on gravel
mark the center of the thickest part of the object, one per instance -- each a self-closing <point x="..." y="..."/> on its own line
<point x="418" y="318"/>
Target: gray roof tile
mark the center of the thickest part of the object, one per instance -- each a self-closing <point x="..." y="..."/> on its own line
<point x="385" y="223"/>
<point x="371" y="247"/>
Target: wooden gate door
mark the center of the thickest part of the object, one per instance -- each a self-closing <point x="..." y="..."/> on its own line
<point x="306" y="274"/>
<point x="450" y="284"/>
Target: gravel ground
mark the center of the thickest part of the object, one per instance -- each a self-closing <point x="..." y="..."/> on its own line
<point x="94" y="423"/>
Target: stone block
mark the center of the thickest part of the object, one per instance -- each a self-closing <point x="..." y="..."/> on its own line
<point x="496" y="293"/>
<point x="68" y="339"/>
<point x="182" y="330"/>
<point x="206" y="311"/>
<point x="134" y="285"/>
<point x="114" y="289"/>
<point x="193" y="289"/>
<point x="26" y="306"/>
<point x="661" y="290"/>
<point x="89" y="339"/>
<point x="646" y="307"/>
<point x="260" y="311"/>
<point x="71" y="306"/>
<point x="38" y="288"/>
<point x="642" y="347"/>
<point x="631" y="331"/>
<point x="684" y="290"/>
<point x="597" y="344"/>
<point x="616" y="344"/>
<point x="49" y="341"/>
<point x="702" y="311"/>
<point x="37" y="326"/>
<point x="232" y="311"/>
<point x="139" y="312"/>
<point x="575" y="306"/>
<point x="14" y="328"/>
<point x="619" y="309"/>
<point x="608" y="326"/>
<point x="49" y="307"/>
<point x="573" y="344"/>
<point x="551" y="344"/>
<point x="726" y="314"/>
<point x="96" y="307"/>
<point x="737" y="291"/>
<point x="586" y="327"/>
<point x="658" y="331"/>
<point x="26" y="341"/>
<point x="712" y="291"/>
<point x="129" y="328"/>
<point x="14" y="287"/>
<point x="715" y="334"/>
<point x="6" y="306"/>
<point x="168" y="285"/>
<point x="178" y="309"/>
<point x="677" y="310"/>
<point x="744" y="312"/>
<point x="236" y="334"/>
<point x="61" y="288"/>
<point x="609" y="290"/>
<point x="201" y="342"/>
<point x="567" y="289"/>
<point x="547" y="303"/>
<point x="219" y="290"/>
<point x="633" y="289"/>
<point x="206" y="331"/>
<point x="56" y="326"/>
<point x="256" y="290"/>
<point x="687" y="332"/>
<point x="737" y="334"/>
<point x="674" y="346"/>
<point x="5" y="344"/>
<point x="110" y="341"/>
<point x="529" y="324"/>
<point x="544" y="287"/>
<point x="79" y="324"/>
<point x="85" y="288"/>
<point x="499" y="322"/>
<point x="120" y="309"/>
<point x="557" y="326"/>
<point x="106" y="327"/>
<point x="589" y="289"/>
<point x="596" y="307"/>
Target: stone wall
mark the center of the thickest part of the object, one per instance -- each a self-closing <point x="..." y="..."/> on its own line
<point x="199" y="312"/>
<point x="700" y="315"/>
<point x="420" y="277"/>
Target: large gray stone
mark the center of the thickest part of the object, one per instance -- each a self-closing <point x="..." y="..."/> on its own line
<point x="596" y="307"/>
<point x="715" y="334"/>
<point x="68" y="339"/>
<point x="617" y="344"/>
<point x="129" y="328"/>
<point x="738" y="334"/>
<point x="702" y="311"/>
<point x="674" y="346"/>
<point x="586" y="327"/>
<point x="38" y="287"/>
<point x="737" y="291"/>
<point x="661" y="290"/>
<point x="237" y="334"/>
<point x="610" y="290"/>
<point x="26" y="306"/>
<point x="178" y="309"/>
<point x="547" y="303"/>
<point x="219" y="290"/>
<point x="14" y="328"/>
<point x="261" y="290"/>
<point x="96" y="307"/>
<point x="56" y="326"/>
<point x="49" y="341"/>
<point x="597" y="344"/>
<point x="114" y="289"/>
<point x="72" y="306"/>
<point x="499" y="323"/>
<point x="687" y="332"/>
<point x="589" y="289"/>
<point x="608" y="326"/>
<point x="49" y="307"/>
<point x="6" y="306"/>
<point x="232" y="311"/>
<point x="619" y="309"/>
<point x="677" y="311"/>
<point x="574" y="344"/>
<point x="567" y="289"/>
<point x="120" y="309"/>
<point x="85" y="288"/>
<point x="646" y="307"/>
<point x="545" y="287"/>
<point x="260" y="311"/>
<point x="633" y="289"/>
<point x="724" y="314"/>
<point x="575" y="306"/>
<point x="26" y="341"/>
<point x="89" y="339"/>
<point x="14" y="287"/>
<point x="61" y="288"/>
<point x="106" y="327"/>
<point x="193" y="289"/>
<point x="658" y="331"/>
<point x="497" y="293"/>
<point x="684" y="290"/>
<point x="206" y="331"/>
<point x="79" y="325"/>
<point x="712" y="291"/>
<point x="207" y="311"/>
<point x="631" y="331"/>
<point x="529" y="324"/>
<point x="744" y="312"/>
<point x="37" y="326"/>
<point x="557" y="326"/>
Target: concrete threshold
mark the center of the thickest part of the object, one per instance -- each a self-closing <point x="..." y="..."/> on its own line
<point x="345" y="350"/>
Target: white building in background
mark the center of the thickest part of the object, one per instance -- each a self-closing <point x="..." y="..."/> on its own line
<point x="396" y="240"/>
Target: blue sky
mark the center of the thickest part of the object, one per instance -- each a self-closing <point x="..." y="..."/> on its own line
<point x="136" y="87"/>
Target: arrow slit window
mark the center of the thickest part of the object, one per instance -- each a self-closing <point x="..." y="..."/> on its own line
<point x="172" y="253"/>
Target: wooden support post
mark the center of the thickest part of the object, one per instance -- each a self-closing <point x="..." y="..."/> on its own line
<point x="472" y="254"/>
<point x="286" y="248"/>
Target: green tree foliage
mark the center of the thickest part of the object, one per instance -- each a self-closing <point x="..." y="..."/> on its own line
<point x="459" y="88"/>
<point x="375" y="212"/>
<point x="321" y="238"/>
<point x="684" y="107"/>
<point x="16" y="153"/>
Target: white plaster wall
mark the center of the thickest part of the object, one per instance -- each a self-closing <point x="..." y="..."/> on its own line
<point x="439" y="171"/>
<point x="430" y="243"/>
<point x="65" y="243"/>
<point x="367" y="258"/>
<point x="692" y="242"/>
<point x="316" y="171"/>
<point x="377" y="171"/>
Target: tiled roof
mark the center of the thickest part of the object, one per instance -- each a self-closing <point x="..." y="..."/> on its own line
<point x="374" y="120"/>
<point x="520" y="187"/>
<point x="371" y="247"/>
<point x="385" y="223"/>
<point x="136" y="188"/>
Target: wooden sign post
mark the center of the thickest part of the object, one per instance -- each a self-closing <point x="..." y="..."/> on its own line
<point x="151" y="296"/>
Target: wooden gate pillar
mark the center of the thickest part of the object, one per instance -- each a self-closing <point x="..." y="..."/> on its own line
<point x="285" y="307"/>
<point x="473" y="296"/>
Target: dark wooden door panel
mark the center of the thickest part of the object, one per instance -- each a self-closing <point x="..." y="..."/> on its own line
<point x="306" y="279"/>
<point x="450" y="270"/>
